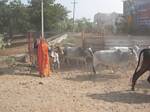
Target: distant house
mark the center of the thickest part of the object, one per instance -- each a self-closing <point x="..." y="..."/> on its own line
<point x="107" y="22"/>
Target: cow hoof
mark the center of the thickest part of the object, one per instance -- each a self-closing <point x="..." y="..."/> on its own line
<point x="132" y="89"/>
<point x="148" y="80"/>
<point x="112" y="72"/>
<point x="94" y="73"/>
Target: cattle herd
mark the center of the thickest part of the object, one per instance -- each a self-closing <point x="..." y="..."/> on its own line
<point x="113" y="57"/>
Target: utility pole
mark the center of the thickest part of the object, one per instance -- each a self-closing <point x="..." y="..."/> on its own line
<point x="74" y="9"/>
<point x="42" y="19"/>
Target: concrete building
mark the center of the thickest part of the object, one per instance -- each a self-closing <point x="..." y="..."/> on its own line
<point x="137" y="12"/>
<point x="107" y="22"/>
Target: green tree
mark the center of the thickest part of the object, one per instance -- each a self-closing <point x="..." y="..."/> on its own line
<point x="19" y="16"/>
<point x="4" y="15"/>
<point x="53" y="13"/>
<point x="15" y="17"/>
<point x="84" y="24"/>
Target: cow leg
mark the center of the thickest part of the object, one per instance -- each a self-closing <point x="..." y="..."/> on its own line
<point x="59" y="65"/>
<point x="148" y="79"/>
<point x="95" y="64"/>
<point x="113" y="69"/>
<point x="94" y="71"/>
<point x="137" y="74"/>
<point x="84" y="66"/>
<point x="56" y="66"/>
<point x="68" y="61"/>
<point x="89" y="68"/>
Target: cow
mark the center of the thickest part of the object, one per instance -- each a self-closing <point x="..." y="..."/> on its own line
<point x="76" y="55"/>
<point x="125" y="49"/>
<point x="145" y="66"/>
<point x="111" y="57"/>
<point x="137" y="49"/>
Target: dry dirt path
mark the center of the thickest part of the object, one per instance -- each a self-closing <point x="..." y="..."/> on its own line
<point x="73" y="91"/>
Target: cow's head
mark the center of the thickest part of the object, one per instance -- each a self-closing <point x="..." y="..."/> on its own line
<point x="90" y="51"/>
<point x="131" y="50"/>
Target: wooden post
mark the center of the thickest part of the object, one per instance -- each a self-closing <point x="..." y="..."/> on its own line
<point x="30" y="45"/>
<point x="83" y="39"/>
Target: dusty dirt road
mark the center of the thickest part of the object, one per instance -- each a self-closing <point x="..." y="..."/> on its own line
<point x="73" y="91"/>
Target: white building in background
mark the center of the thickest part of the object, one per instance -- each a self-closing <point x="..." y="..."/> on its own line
<point x="107" y="21"/>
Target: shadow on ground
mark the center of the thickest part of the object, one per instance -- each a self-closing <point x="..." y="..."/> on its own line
<point x="12" y="71"/>
<point x="122" y="97"/>
<point x="91" y="77"/>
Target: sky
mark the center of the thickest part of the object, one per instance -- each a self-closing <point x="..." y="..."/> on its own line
<point x="88" y="8"/>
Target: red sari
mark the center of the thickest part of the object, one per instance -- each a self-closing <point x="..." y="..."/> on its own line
<point x="43" y="59"/>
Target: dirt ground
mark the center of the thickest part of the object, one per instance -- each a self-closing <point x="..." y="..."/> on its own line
<point x="14" y="50"/>
<point x="72" y="91"/>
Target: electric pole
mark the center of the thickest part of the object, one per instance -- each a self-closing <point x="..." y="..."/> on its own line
<point x="42" y="19"/>
<point x="74" y="9"/>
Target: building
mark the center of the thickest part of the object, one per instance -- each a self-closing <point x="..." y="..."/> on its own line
<point x="137" y="12"/>
<point x="107" y="21"/>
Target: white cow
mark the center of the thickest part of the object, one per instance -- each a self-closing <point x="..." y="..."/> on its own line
<point x="123" y="49"/>
<point x="136" y="50"/>
<point x="111" y="57"/>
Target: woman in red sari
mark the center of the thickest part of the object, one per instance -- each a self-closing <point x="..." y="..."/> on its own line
<point x="43" y="59"/>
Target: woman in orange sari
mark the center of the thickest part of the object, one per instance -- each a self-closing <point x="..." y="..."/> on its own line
<point x="43" y="59"/>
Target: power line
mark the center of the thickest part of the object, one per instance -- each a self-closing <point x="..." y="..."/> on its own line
<point x="74" y="9"/>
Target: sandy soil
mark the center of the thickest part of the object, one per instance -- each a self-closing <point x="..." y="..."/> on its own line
<point x="72" y="91"/>
<point x="14" y="50"/>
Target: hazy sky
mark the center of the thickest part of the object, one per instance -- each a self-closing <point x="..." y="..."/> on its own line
<point x="87" y="8"/>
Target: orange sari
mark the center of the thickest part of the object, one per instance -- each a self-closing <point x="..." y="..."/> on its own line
<point x="43" y="59"/>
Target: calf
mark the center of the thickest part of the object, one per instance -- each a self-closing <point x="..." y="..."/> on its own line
<point x="145" y="66"/>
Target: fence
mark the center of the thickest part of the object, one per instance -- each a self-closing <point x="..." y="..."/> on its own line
<point x="93" y="40"/>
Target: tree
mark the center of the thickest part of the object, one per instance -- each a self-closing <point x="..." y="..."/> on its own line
<point x="84" y="25"/>
<point x="4" y="15"/>
<point x="15" y="17"/>
<point x="53" y="13"/>
<point x="19" y="16"/>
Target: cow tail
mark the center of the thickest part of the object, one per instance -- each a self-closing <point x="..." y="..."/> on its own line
<point x="139" y="60"/>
